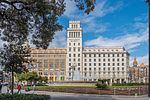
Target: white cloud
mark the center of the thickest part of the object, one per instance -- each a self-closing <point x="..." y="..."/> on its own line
<point x="59" y="40"/>
<point x="103" y="8"/>
<point x="129" y="40"/>
<point x="71" y="9"/>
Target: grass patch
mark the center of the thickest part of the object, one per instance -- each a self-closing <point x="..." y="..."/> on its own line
<point x="124" y="86"/>
<point x="62" y="87"/>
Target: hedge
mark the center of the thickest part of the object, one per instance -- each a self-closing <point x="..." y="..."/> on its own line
<point x="128" y="84"/>
<point x="24" y="97"/>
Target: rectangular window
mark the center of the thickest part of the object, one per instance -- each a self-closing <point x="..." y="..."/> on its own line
<point x="104" y="69"/>
<point x="113" y="59"/>
<point x="69" y="48"/>
<point x="69" y="55"/>
<point x="122" y="55"/>
<point x="103" y="55"/>
<point x="90" y="69"/>
<point x="103" y="59"/>
<point x="117" y="68"/>
<point x="122" y="68"/>
<point x="103" y="64"/>
<point x="113" y="64"/>
<point x="89" y="64"/>
<point x="84" y="55"/>
<point x="94" y="59"/>
<point x="78" y="59"/>
<point x="74" y="49"/>
<point x="99" y="69"/>
<point x="94" y="64"/>
<point x="85" y="60"/>
<point x="113" y="55"/>
<point x="89" y="60"/>
<point x="108" y="64"/>
<point x="78" y="48"/>
<point x="122" y="64"/>
<point x="113" y="68"/>
<point x="108" y="59"/>
<point x="78" y="44"/>
<point x="99" y="55"/>
<point x="117" y="64"/>
<point x="74" y="55"/>
<point x="117" y="59"/>
<point x="78" y="64"/>
<point x="85" y="74"/>
<point x="99" y="64"/>
<point x="69" y="64"/>
<point x="89" y="55"/>
<point x="117" y="55"/>
<point x="94" y="55"/>
<point x="78" y="55"/>
<point x="84" y="64"/>
<point x="45" y="65"/>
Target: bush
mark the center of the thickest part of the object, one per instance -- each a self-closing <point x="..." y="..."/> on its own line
<point x="24" y="97"/>
<point x="101" y="86"/>
<point x="128" y="84"/>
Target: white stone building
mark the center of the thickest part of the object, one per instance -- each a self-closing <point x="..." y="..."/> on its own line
<point x="91" y="64"/>
<point x="83" y="64"/>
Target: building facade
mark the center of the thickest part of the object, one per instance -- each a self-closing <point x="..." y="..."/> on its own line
<point x="109" y="63"/>
<point x="138" y="73"/>
<point x="50" y="63"/>
<point x="82" y="64"/>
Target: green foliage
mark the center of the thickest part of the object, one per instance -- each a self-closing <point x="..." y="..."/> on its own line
<point x="128" y="84"/>
<point x="39" y="18"/>
<point x="28" y="76"/>
<point x="24" y="97"/>
<point x="86" y="5"/>
<point x="42" y="79"/>
<point x="101" y="84"/>
<point x="31" y="76"/>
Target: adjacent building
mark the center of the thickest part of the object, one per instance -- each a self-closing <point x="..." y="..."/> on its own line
<point x="50" y="63"/>
<point x="138" y="73"/>
<point x="78" y="63"/>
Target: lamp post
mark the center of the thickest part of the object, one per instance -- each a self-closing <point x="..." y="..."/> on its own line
<point x="148" y="1"/>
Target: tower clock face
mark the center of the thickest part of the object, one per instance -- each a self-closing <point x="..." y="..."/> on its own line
<point x="74" y="40"/>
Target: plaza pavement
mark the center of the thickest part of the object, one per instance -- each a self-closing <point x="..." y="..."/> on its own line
<point x="74" y="96"/>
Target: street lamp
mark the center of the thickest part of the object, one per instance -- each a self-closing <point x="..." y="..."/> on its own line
<point x="148" y="1"/>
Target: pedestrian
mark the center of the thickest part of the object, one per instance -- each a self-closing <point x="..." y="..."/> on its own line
<point x="0" y="87"/>
<point x="19" y="88"/>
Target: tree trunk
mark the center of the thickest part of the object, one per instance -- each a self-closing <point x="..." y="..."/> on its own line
<point x="12" y="82"/>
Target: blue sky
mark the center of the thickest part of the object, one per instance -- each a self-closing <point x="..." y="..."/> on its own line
<point x="112" y="23"/>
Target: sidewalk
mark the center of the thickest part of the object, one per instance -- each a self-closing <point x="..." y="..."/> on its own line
<point x="116" y="97"/>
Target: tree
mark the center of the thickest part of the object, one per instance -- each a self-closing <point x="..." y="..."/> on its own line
<point x="38" y="19"/>
<point x="14" y="56"/>
<point x="28" y="76"/>
<point x="42" y="79"/>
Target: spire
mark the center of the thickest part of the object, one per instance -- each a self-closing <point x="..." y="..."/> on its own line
<point x="135" y="63"/>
